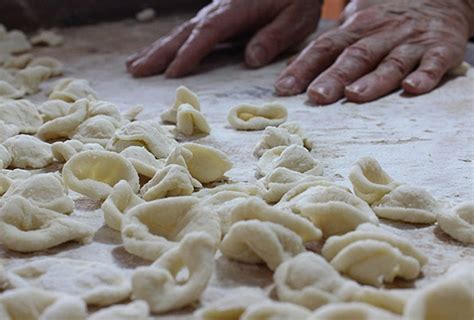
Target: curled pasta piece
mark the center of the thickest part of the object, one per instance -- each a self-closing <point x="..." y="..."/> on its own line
<point x="370" y="181"/>
<point x="103" y="108"/>
<point x="132" y="113"/>
<point x="121" y="200"/>
<point x="159" y="284"/>
<point x="73" y="277"/>
<point x="14" y="41"/>
<point x="9" y="91"/>
<point x="183" y="96"/>
<point x="269" y="310"/>
<point x="53" y="109"/>
<point x="5" y="157"/>
<point x="18" y="61"/>
<point x="4" y="282"/>
<point x="310" y="281"/>
<point x="97" y="129"/>
<point x="152" y="228"/>
<point x="250" y="117"/>
<point x="284" y="135"/>
<point x="142" y="160"/>
<point x="47" y="38"/>
<point x="32" y="77"/>
<point x="56" y="67"/>
<point x="71" y="90"/>
<point x="30" y="303"/>
<point x="64" y="150"/>
<point x="392" y="300"/>
<point x="8" y="177"/>
<point x="408" y="204"/>
<point x="190" y="121"/>
<point x="250" y="189"/>
<point x="137" y="310"/>
<point x="7" y="131"/>
<point x="459" y="224"/>
<point x="293" y="157"/>
<point x="94" y="173"/>
<point x="21" y="113"/>
<point x="207" y="163"/>
<point x="28" y="152"/>
<point x="27" y="228"/>
<point x="179" y="156"/>
<point x="352" y="310"/>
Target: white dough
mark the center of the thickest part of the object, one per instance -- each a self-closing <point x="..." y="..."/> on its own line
<point x="14" y="41"/>
<point x="28" y="152"/>
<point x="250" y="117"/>
<point x="5" y="157"/>
<point x="145" y="15"/>
<point x="64" y="150"/>
<point x="142" y="160"/>
<point x="53" y="64"/>
<point x="9" y="91"/>
<point x="137" y="310"/>
<point x="270" y="310"/>
<point x="459" y="223"/>
<point x="353" y="310"/>
<point x="190" y="121"/>
<point x="7" y="131"/>
<point x="32" y="77"/>
<point x="183" y="96"/>
<point x="284" y="135"/>
<point x="18" y="61"/>
<point x="71" y="90"/>
<point x="207" y="163"/>
<point x="48" y="38"/>
<point x="53" y="109"/>
<point x="97" y="129"/>
<point x="21" y="113"/>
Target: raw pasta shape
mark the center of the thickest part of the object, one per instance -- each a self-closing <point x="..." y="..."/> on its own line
<point x="180" y="156"/>
<point x="47" y="38"/>
<point x="121" y="200"/>
<point x="56" y="67"/>
<point x="269" y="310"/>
<point x="293" y="157"/>
<point x="21" y="113"/>
<point x="171" y="181"/>
<point x="32" y="77"/>
<point x="14" y="41"/>
<point x="53" y="109"/>
<point x="142" y="160"/>
<point x="137" y="310"/>
<point x="94" y="173"/>
<point x="27" y="228"/>
<point x="4" y="282"/>
<point x="352" y="310"/>
<point x="190" y="121"/>
<point x="18" y="61"/>
<point x="5" y="157"/>
<point x="207" y="163"/>
<point x="7" y="131"/>
<point x="310" y="281"/>
<point x="460" y="223"/>
<point x="97" y="129"/>
<point x="64" y="150"/>
<point x="160" y="284"/>
<point x="152" y="228"/>
<point x="71" y="90"/>
<point x="250" y="189"/>
<point x="103" y="108"/>
<point x="183" y="96"/>
<point x="9" y="91"/>
<point x="370" y="181"/>
<point x="145" y="15"/>
<point x="96" y="283"/>
<point x="392" y="300"/>
<point x="30" y="303"/>
<point x="284" y="135"/>
<point x="408" y="204"/>
<point x="29" y="152"/>
<point x="251" y="117"/>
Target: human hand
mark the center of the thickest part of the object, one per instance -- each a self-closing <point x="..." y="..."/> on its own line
<point x="380" y="46"/>
<point x="275" y="25"/>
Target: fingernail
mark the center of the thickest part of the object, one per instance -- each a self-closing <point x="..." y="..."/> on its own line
<point x="358" y="88"/>
<point x="323" y="91"/>
<point x="412" y="83"/>
<point x="257" y="56"/>
<point x="321" y="94"/>
<point x="287" y="82"/>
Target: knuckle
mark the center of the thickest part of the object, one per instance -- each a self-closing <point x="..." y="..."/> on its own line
<point x="360" y="52"/>
<point x="397" y="63"/>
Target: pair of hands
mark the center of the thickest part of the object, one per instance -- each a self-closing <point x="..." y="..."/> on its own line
<point x="378" y="47"/>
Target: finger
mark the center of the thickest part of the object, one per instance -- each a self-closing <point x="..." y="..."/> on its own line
<point x="388" y="75"/>
<point x="286" y="30"/>
<point x="131" y="59"/>
<point x="434" y="64"/>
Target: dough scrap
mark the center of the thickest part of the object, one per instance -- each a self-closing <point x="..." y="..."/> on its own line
<point x="14" y="41"/>
<point x="392" y="300"/>
<point x="137" y="310"/>
<point x="142" y="160"/>
<point x="190" y="121"/>
<point x="18" y="61"/>
<point x="310" y="281"/>
<point x="459" y="224"/>
<point x="284" y="135"/>
<point x="352" y="310"/>
<point x="271" y="310"/>
<point x="96" y="283"/>
<point x="21" y="113"/>
<point x="5" y="157"/>
<point x="159" y="284"/>
<point x="97" y="129"/>
<point x="408" y="204"/>
<point x="146" y="15"/>
<point x="7" y="131"/>
<point x="103" y="108"/>
<point x="53" y="109"/>
<point x="179" y="155"/>
<point x="27" y="228"/>
<point x="250" y="189"/>
<point x="53" y="64"/>
<point x="71" y="90"/>
<point x="28" y="152"/>
<point x="292" y="157"/>
<point x="251" y="117"/>
<point x="207" y="163"/>
<point x="121" y="200"/>
<point x="94" y="173"/>
<point x="171" y="181"/>
<point x="152" y="228"/>
<point x="183" y="96"/>
<point x="30" y="304"/>
<point x="47" y="38"/>
<point x="132" y="113"/>
<point x="64" y="150"/>
<point x="9" y="91"/>
<point x="370" y="181"/>
<point x="32" y="77"/>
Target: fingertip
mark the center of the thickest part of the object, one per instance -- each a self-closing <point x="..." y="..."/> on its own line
<point x="356" y="93"/>
<point x="287" y="86"/>
<point x="256" y="56"/>
<point x="320" y="95"/>
<point x="417" y="84"/>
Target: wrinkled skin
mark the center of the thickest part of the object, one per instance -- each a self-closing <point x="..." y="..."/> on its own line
<point x="378" y="47"/>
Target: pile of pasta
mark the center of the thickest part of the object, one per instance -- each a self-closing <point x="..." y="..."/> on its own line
<point x="173" y="206"/>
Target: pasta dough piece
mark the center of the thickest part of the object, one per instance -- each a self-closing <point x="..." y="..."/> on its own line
<point x="460" y="223"/>
<point x="150" y="229"/>
<point x="145" y="15"/>
<point x="190" y="120"/>
<point x="14" y="41"/>
<point x="97" y="129"/>
<point x="27" y="228"/>
<point x="5" y="157"/>
<point x="96" y="283"/>
<point x="28" y="152"/>
<point x="53" y="109"/>
<point x="293" y="157"/>
<point x="9" y="91"/>
<point x="21" y="113"/>
<point x="408" y="204"/>
<point x="142" y="160"/>
<point x="4" y="282"/>
<point x="269" y="310"/>
<point x="392" y="300"/>
<point x="132" y="113"/>
<point x="7" y="131"/>
<point x="148" y="134"/>
<point x="103" y="108"/>
<point x="250" y="117"/>
<point x="44" y="190"/>
<point x="370" y="181"/>
<point x="64" y="150"/>
<point x="71" y="90"/>
<point x="183" y="95"/>
<point x="31" y="78"/>
<point x="48" y="38"/>
<point x="207" y="163"/>
<point x="250" y="189"/>
<point x="120" y="201"/>
<point x="31" y="304"/>
<point x="18" y="61"/>
<point x="353" y="310"/>
<point x="94" y="173"/>
<point x="179" y="156"/>
<point x="53" y="64"/>
<point x="172" y="180"/>
<point x="310" y="281"/>
<point x="159" y="284"/>
<point x="137" y="310"/>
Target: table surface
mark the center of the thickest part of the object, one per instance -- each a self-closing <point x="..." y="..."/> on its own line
<point x="426" y="141"/>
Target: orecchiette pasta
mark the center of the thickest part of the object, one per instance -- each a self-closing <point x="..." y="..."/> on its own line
<point x="250" y="189"/>
<point x="190" y="120"/>
<point x="9" y="91"/>
<point x="71" y="90"/>
<point x="4" y="282"/>
<point x="459" y="224"/>
<point x="28" y="228"/>
<point x="207" y="163"/>
<point x="32" y="77"/>
<point x="250" y="117"/>
<point x="183" y="96"/>
<point x="14" y="42"/>
<point x="370" y="181"/>
<point x="152" y="228"/>
<point x="137" y="310"/>
<point x="55" y="66"/>
<point x="179" y="156"/>
<point x="94" y="173"/>
<point x="142" y="160"/>
<point x="121" y="199"/>
<point x="53" y="109"/>
<point x="393" y="300"/>
<point x="28" y="152"/>
<point x="48" y="38"/>
<point x="18" y="61"/>
<point x="21" y="113"/>
<point x="64" y="150"/>
<point x="292" y="157"/>
<point x="98" y="129"/>
<point x="159" y="284"/>
<point x="103" y="108"/>
<point x="7" y="131"/>
<point x="408" y="204"/>
<point x="5" y="157"/>
<point x="269" y="310"/>
<point x="352" y="310"/>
